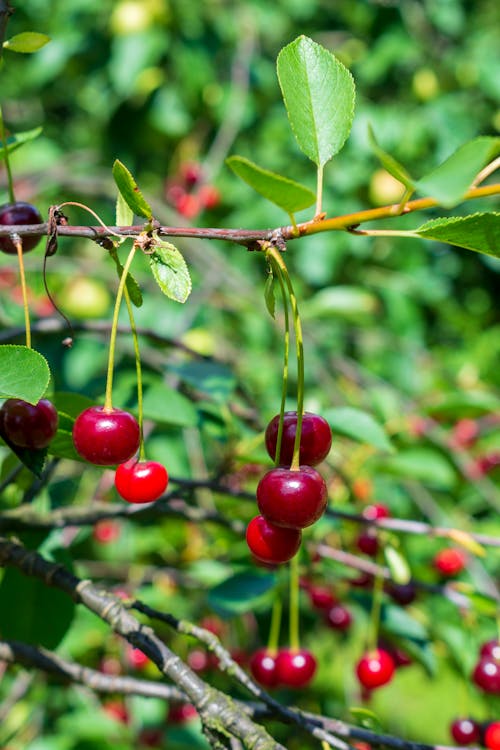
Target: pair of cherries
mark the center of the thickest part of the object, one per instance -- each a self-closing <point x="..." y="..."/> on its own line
<point x="289" y="499"/>
<point x="285" y="668"/>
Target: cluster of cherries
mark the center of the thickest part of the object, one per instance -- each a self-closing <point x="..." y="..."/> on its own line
<point x="289" y="499"/>
<point x="189" y="194"/>
<point x="471" y="732"/>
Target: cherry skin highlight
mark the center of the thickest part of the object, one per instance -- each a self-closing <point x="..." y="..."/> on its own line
<point x="106" y="438"/>
<point x="263" y="667"/>
<point x="315" y="438"/>
<point x="295" y="668"/>
<point x="141" y="481"/>
<point x="12" y="214"/>
<point x="29" y="426"/>
<point x="272" y="544"/>
<point x="375" y="669"/>
<point x="294" y="499"/>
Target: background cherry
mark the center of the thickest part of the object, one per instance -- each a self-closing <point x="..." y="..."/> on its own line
<point x="263" y="667"/>
<point x="375" y="669"/>
<point x="141" y="481"/>
<point x="106" y="438"/>
<point x="321" y="597"/>
<point x="492" y="736"/>
<point x="295" y="668"/>
<point x="486" y="675"/>
<point x="450" y="561"/>
<point x="338" y="617"/>
<point x="315" y="438"/>
<point x="294" y="499"/>
<point x="27" y="425"/>
<point x="491" y="649"/>
<point x="12" y="214"/>
<point x="465" y="731"/>
<point x="270" y="543"/>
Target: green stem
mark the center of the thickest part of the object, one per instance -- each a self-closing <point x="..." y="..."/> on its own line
<point x="294" y="604"/>
<point x="319" y="191"/>
<point x="24" y="289"/>
<point x="284" y="388"/>
<point x="108" y="405"/>
<point x="10" y="181"/>
<point x="274" y="630"/>
<point x="138" y="369"/>
<point x="378" y="586"/>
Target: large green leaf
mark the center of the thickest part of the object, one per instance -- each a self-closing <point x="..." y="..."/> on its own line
<point x="212" y="378"/>
<point x="422" y="464"/>
<point x="449" y="182"/>
<point x="319" y="96"/>
<point x="243" y="592"/>
<point x="26" y="42"/>
<point x="130" y="191"/>
<point x="17" y="139"/>
<point x="170" y="271"/>
<point x="163" y="404"/>
<point x="285" y="193"/>
<point x="479" y="232"/>
<point x="24" y="373"/>
<point x="358" y="425"/>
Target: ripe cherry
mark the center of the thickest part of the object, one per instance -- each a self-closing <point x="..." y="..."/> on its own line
<point x="29" y="426"/>
<point x="295" y="668"/>
<point x="263" y="667"/>
<point x="321" y="597"/>
<point x="367" y="542"/>
<point x="294" y="499"/>
<point x="272" y="544"/>
<point x="375" y="669"/>
<point x="117" y="710"/>
<point x="209" y="196"/>
<point x="104" y="437"/>
<point x="450" y="561"/>
<point x="486" y="675"/>
<point x="136" y="658"/>
<point x="181" y="713"/>
<point x="491" y="649"/>
<point x="141" y="481"/>
<point x="401" y="593"/>
<point x="492" y="736"/>
<point x="12" y="214"/>
<point x="465" y="731"/>
<point x="338" y="618"/>
<point x="315" y="438"/>
<point x="106" y="531"/>
<point x="376" y="510"/>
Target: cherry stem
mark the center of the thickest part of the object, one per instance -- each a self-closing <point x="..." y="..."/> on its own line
<point x="286" y="352"/>
<point x="274" y="630"/>
<point x="294" y="604"/>
<point x="108" y="405"/>
<point x="10" y="181"/>
<point x="24" y="289"/>
<point x="138" y="369"/>
<point x="378" y="585"/>
<point x="319" y="191"/>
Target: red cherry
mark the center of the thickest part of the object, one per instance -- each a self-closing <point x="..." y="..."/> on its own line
<point x="465" y="731"/>
<point x="464" y="433"/>
<point x="294" y="499"/>
<point x="150" y="737"/>
<point x="198" y="660"/>
<point x="106" y="438"/>
<point x="180" y="713"/>
<point x="376" y="510"/>
<point x="12" y="214"/>
<point x="136" y="658"/>
<point x="321" y="597"/>
<point x="492" y="736"/>
<point x="27" y="425"/>
<point x="486" y="675"/>
<point x="449" y="562"/>
<point x="188" y="205"/>
<point x="375" y="669"/>
<point x="367" y="542"/>
<point x="263" y="667"/>
<point x="315" y="438"/>
<point x="295" y="668"/>
<point x="272" y="544"/>
<point x="338" y="618"/>
<point x="117" y="710"/>
<point x="491" y="649"/>
<point x="106" y="531"/>
<point x="209" y="196"/>
<point x="191" y="173"/>
<point x="141" y="481"/>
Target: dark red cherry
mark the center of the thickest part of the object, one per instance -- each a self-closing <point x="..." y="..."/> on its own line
<point x="294" y="499"/>
<point x="141" y="481"/>
<point x="338" y="618"/>
<point x="263" y="667"/>
<point x="12" y="214"/>
<point x="181" y="713"/>
<point x="375" y="669"/>
<point x="321" y="597"/>
<point x="465" y="731"/>
<point x="295" y="668"/>
<point x="272" y="544"/>
<point x="491" y="649"/>
<point x="315" y="438"/>
<point x="27" y="425"/>
<point x="367" y="542"/>
<point x="492" y="736"/>
<point x="104" y="437"/>
<point x="486" y="675"/>
<point x="401" y="593"/>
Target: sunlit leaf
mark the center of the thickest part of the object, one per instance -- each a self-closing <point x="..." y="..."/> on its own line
<point x="479" y="232"/>
<point x="130" y="191"/>
<point x="285" y="193"/>
<point x="170" y="271"/>
<point x="26" y="42"/>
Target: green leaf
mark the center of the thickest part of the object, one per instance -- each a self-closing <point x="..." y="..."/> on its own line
<point x="449" y="182"/>
<point x="358" y="425"/>
<point x="133" y="288"/>
<point x="422" y="464"/>
<point x="62" y="446"/>
<point x="319" y="96"/>
<point x="269" y="296"/>
<point x="243" y="592"/>
<point x="285" y="193"/>
<point x="26" y="42"/>
<point x="396" y="621"/>
<point x="170" y="271"/>
<point x="465" y="404"/>
<point x="459" y="643"/>
<point x="349" y="302"/>
<point x="212" y="378"/>
<point x="397" y="564"/>
<point x="17" y="139"/>
<point x="366" y="718"/>
<point x="34" y="460"/>
<point x="477" y="232"/>
<point x="124" y="214"/>
<point x="24" y="373"/>
<point x="389" y="162"/>
<point x="163" y="404"/>
<point x="130" y="192"/>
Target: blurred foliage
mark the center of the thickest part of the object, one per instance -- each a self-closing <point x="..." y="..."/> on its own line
<point x="403" y="330"/>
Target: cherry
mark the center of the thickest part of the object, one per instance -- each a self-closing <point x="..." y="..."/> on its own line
<point x="294" y="499"/>
<point x="106" y="438"/>
<point x="450" y="561"/>
<point x="19" y="213"/>
<point x="191" y="173"/>
<point x="321" y="597"/>
<point x="491" y="649"/>
<point x="141" y="481"/>
<point x="486" y="675"/>
<point x="401" y="593"/>
<point x="136" y="658"/>
<point x="367" y="542"/>
<point x="315" y="438"/>
<point x="338" y="618"/>
<point x="295" y="668"/>
<point x="117" y="710"/>
<point x="180" y="713"/>
<point x="188" y="205"/>
<point x="29" y="426"/>
<point x="375" y="669"/>
<point x="150" y="737"/>
<point x="106" y="531"/>
<point x="492" y="736"/>
<point x="464" y="433"/>
<point x="263" y="667"/>
<point x="209" y="196"/>
<point x="376" y="510"/>
<point x="270" y="543"/>
<point x="465" y="731"/>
